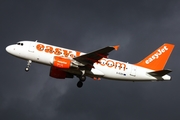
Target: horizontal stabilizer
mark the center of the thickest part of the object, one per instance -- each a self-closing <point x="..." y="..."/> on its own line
<point x="160" y="72"/>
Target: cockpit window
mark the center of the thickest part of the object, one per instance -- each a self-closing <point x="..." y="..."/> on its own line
<point x="20" y="44"/>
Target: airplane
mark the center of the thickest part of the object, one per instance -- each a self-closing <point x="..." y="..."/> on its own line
<point x="67" y="63"/>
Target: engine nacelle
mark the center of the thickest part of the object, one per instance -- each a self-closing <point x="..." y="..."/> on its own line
<point x="60" y="62"/>
<point x="59" y="74"/>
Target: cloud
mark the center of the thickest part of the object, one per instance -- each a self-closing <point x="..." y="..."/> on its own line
<point x="138" y="26"/>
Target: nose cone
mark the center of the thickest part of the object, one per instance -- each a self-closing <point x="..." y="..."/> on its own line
<point x="9" y="49"/>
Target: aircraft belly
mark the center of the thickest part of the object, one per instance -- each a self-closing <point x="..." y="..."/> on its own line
<point x="142" y="75"/>
<point x="96" y="72"/>
<point x="44" y="59"/>
<point x="137" y="74"/>
<point x="39" y="58"/>
<point x="112" y="73"/>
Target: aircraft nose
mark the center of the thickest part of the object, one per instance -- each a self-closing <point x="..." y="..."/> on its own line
<point x="9" y="49"/>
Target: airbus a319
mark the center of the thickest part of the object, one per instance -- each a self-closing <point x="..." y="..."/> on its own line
<point x="67" y="63"/>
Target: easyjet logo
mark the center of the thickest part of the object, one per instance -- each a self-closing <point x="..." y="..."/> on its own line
<point x="156" y="55"/>
<point x="112" y="64"/>
<point x="57" y="51"/>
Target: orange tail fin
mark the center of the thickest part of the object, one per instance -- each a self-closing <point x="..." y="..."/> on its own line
<point x="157" y="59"/>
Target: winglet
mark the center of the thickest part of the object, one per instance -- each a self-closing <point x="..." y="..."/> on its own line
<point x="116" y="47"/>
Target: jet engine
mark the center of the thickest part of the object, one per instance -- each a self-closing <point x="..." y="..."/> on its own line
<point x="60" y="62"/>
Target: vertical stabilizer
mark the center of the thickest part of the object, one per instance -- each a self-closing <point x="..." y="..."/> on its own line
<point x="157" y="59"/>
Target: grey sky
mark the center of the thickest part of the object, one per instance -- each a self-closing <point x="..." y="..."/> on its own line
<point x="139" y="27"/>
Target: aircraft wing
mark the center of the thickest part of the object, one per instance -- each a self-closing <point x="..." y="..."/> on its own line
<point x="91" y="58"/>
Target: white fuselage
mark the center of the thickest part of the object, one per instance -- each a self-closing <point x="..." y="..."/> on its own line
<point x="106" y="68"/>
